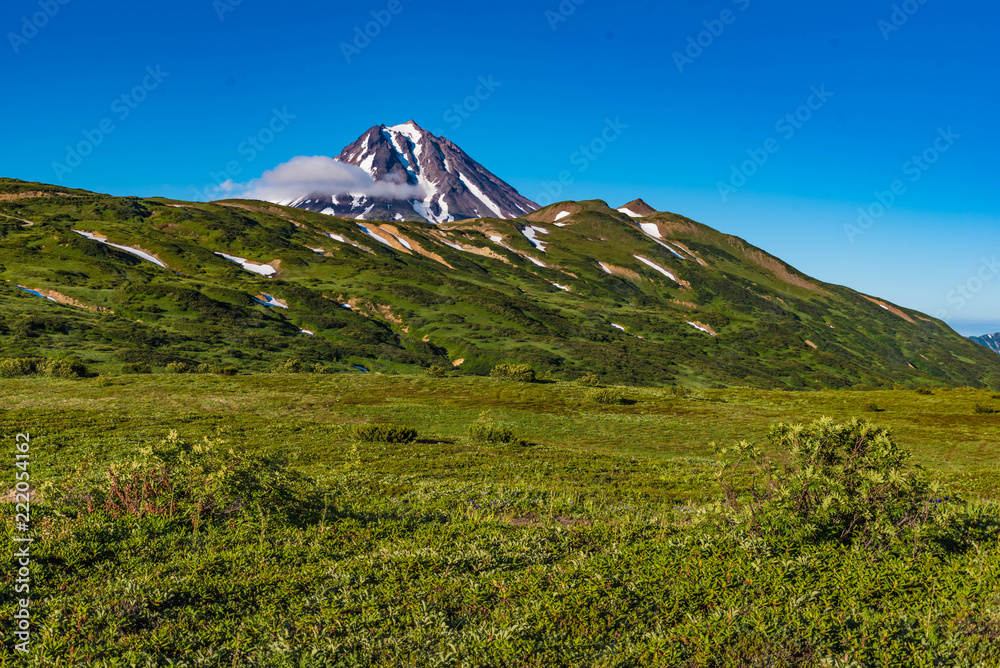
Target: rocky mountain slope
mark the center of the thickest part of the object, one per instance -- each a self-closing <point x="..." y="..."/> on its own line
<point x="991" y="341"/>
<point x="455" y="186"/>
<point x="573" y="288"/>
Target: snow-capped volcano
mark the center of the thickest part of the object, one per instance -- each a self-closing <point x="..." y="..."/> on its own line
<point x="454" y="186"/>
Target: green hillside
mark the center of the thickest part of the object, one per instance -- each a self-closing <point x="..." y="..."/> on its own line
<point x="693" y="307"/>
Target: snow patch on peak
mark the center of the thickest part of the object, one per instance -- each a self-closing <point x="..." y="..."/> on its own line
<point x="410" y="130"/>
<point x="481" y="196"/>
<point x="563" y="214"/>
<point x="629" y="212"/>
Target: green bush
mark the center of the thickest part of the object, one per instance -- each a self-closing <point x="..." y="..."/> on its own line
<point x="436" y="371"/>
<point x="926" y="391"/>
<point x="289" y="366"/>
<point x="195" y="483"/>
<point x="680" y="391"/>
<point x="847" y="483"/>
<point x="180" y="367"/>
<point x="15" y="368"/>
<point x="226" y="370"/>
<point x="873" y="407"/>
<point x="384" y="433"/>
<point x="63" y="369"/>
<point x="983" y="409"/>
<point x="487" y="430"/>
<point x="136" y="368"/>
<point x="608" y="396"/>
<point x="320" y="368"/>
<point x="522" y="373"/>
<point x="589" y="380"/>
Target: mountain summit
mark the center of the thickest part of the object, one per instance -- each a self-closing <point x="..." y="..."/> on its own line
<point x="455" y="186"/>
<point x="991" y="341"/>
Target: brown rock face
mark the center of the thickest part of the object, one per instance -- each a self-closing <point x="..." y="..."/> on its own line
<point x="455" y="186"/>
<point x="638" y="207"/>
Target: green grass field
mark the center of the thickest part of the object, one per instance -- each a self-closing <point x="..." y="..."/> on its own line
<point x="591" y="545"/>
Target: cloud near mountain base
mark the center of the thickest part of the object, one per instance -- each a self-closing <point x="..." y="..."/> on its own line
<point x="315" y="174"/>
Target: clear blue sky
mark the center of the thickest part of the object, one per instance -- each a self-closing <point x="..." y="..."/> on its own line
<point x="559" y="71"/>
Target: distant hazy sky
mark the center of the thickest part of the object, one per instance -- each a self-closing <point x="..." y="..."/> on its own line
<point x="696" y="89"/>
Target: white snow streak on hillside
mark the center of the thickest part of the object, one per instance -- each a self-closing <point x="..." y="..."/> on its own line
<point x="652" y="229"/>
<point x="481" y="196"/>
<point x="270" y="300"/>
<point x="560" y="216"/>
<point x="531" y="233"/>
<point x="657" y="267"/>
<point x="629" y="212"/>
<point x="699" y="327"/>
<point x="262" y="269"/>
<point x="145" y="256"/>
<point x="374" y="236"/>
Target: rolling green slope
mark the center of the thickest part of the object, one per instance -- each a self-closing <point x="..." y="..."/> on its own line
<point x="675" y="303"/>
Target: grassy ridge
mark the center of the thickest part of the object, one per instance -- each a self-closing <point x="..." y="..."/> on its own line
<point x="587" y="546"/>
<point x="434" y="305"/>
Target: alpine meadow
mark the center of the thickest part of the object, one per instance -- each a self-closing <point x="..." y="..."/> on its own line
<point x="694" y="364"/>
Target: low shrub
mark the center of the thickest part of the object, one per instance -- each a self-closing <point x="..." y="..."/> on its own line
<point x="289" y="366"/>
<point x="436" y="371"/>
<point x="680" y="391"/>
<point x="136" y="367"/>
<point x="15" y="368"/>
<point x="983" y="409"/>
<point x="321" y="368"/>
<point x="384" y="433"/>
<point x="195" y="483"/>
<point x="487" y="430"/>
<point x="180" y="367"/>
<point x="589" y="380"/>
<point x="522" y="373"/>
<point x="926" y="391"/>
<point x="63" y="369"/>
<point x="608" y="396"/>
<point x="873" y="407"/>
<point x="847" y="483"/>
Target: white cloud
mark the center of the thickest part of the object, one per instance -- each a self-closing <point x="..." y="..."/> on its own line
<point x="308" y="175"/>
